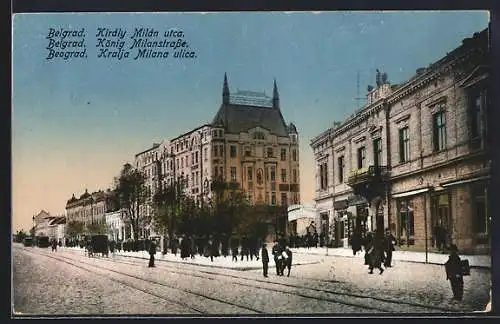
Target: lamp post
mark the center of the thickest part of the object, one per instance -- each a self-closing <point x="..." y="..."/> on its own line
<point x="34" y="227"/>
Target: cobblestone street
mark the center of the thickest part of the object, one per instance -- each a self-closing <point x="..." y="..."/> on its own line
<point x="68" y="282"/>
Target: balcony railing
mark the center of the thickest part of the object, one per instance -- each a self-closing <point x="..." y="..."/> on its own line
<point x="366" y="174"/>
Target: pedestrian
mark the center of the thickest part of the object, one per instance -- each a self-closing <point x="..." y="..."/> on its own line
<point x="54" y="245"/>
<point x="375" y="255"/>
<point x="276" y="255"/>
<point x="288" y="260"/>
<point x="389" y="242"/>
<point x="185" y="246"/>
<point x="152" y="252"/>
<point x="356" y="242"/>
<point x="265" y="259"/>
<point x="192" y="249"/>
<point x="234" y="250"/>
<point x="453" y="269"/>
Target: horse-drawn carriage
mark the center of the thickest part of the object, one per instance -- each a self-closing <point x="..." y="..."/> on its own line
<point x="97" y="244"/>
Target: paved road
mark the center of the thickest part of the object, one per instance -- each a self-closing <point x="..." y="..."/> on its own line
<point x="67" y="282"/>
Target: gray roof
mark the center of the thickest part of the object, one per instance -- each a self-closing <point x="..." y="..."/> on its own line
<point x="238" y="118"/>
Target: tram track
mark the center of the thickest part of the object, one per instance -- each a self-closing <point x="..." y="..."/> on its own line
<point x="302" y="291"/>
<point x="320" y="290"/>
<point x="89" y="266"/>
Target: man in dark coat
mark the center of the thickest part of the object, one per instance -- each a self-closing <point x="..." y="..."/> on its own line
<point x="453" y="269"/>
<point x="389" y="242"/>
<point x="375" y="254"/>
<point x="265" y="259"/>
<point x="152" y="252"/>
<point x="276" y="251"/>
<point x="234" y="249"/>
<point x="288" y="260"/>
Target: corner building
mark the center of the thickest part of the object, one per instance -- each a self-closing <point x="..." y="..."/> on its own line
<point x="415" y="158"/>
<point x="247" y="144"/>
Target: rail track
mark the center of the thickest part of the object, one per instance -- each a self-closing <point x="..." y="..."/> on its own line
<point x="362" y="302"/>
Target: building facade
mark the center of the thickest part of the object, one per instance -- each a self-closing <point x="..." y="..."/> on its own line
<point x="91" y="208"/>
<point x="300" y="218"/>
<point x="414" y="158"/>
<point x="248" y="144"/>
<point x="117" y="230"/>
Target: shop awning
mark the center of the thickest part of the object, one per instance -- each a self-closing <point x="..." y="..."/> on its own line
<point x="356" y="200"/>
<point x="410" y="193"/>
<point x="464" y="181"/>
<point x="340" y="204"/>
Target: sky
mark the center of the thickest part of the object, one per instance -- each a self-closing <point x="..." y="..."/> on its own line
<point x="75" y="122"/>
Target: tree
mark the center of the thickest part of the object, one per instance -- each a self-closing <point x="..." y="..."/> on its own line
<point x="33" y="231"/>
<point x="132" y="193"/>
<point x="166" y="204"/>
<point x="20" y="235"/>
<point x="74" y="228"/>
<point x="97" y="228"/>
<point x="228" y="205"/>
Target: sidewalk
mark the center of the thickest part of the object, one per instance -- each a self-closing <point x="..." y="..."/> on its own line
<point x="475" y="261"/>
<point x="219" y="262"/>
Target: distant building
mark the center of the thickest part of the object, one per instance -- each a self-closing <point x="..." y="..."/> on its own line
<point x="415" y="158"/>
<point x="91" y="208"/>
<point x="117" y="229"/>
<point x="300" y="219"/>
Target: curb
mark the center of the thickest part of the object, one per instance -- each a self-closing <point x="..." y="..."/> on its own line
<point x="482" y="267"/>
<point x="214" y="265"/>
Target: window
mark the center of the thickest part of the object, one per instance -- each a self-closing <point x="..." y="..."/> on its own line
<point x="206" y="153"/>
<point x="196" y="157"/>
<point x="216" y="172"/>
<point x="249" y="174"/>
<point x="476" y="111"/>
<point x="273" y="198"/>
<point x="294" y="155"/>
<point x="177" y="163"/>
<point x="439" y="131"/>
<point x="221" y="172"/>
<point x="294" y="175"/>
<point x="270" y="152"/>
<point x="259" y="136"/>
<point x="406" y="227"/>
<point x="283" y="175"/>
<point x="323" y="174"/>
<point x="377" y="151"/>
<point x="248" y="151"/>
<point x="479" y="209"/>
<point x="221" y="150"/>
<point x="340" y="161"/>
<point x="233" y="151"/>
<point x="283" y="199"/>
<point x="182" y="162"/>
<point x="233" y="174"/>
<point x="361" y="157"/>
<point x="273" y="173"/>
<point x="404" y="145"/>
<point x="216" y="150"/>
<point x="259" y="176"/>
<point x="283" y="154"/>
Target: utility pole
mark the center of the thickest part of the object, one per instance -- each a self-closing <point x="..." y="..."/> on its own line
<point x="358" y="99"/>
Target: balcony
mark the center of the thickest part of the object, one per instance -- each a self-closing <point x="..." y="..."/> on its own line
<point x="369" y="182"/>
<point x="365" y="175"/>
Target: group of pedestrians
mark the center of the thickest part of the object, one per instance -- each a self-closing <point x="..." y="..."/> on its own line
<point x="378" y="249"/>
<point x="282" y="258"/>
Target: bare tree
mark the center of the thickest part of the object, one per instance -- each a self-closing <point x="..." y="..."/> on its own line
<point x="132" y="194"/>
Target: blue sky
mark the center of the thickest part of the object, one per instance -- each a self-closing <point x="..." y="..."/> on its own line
<point x="75" y="122"/>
